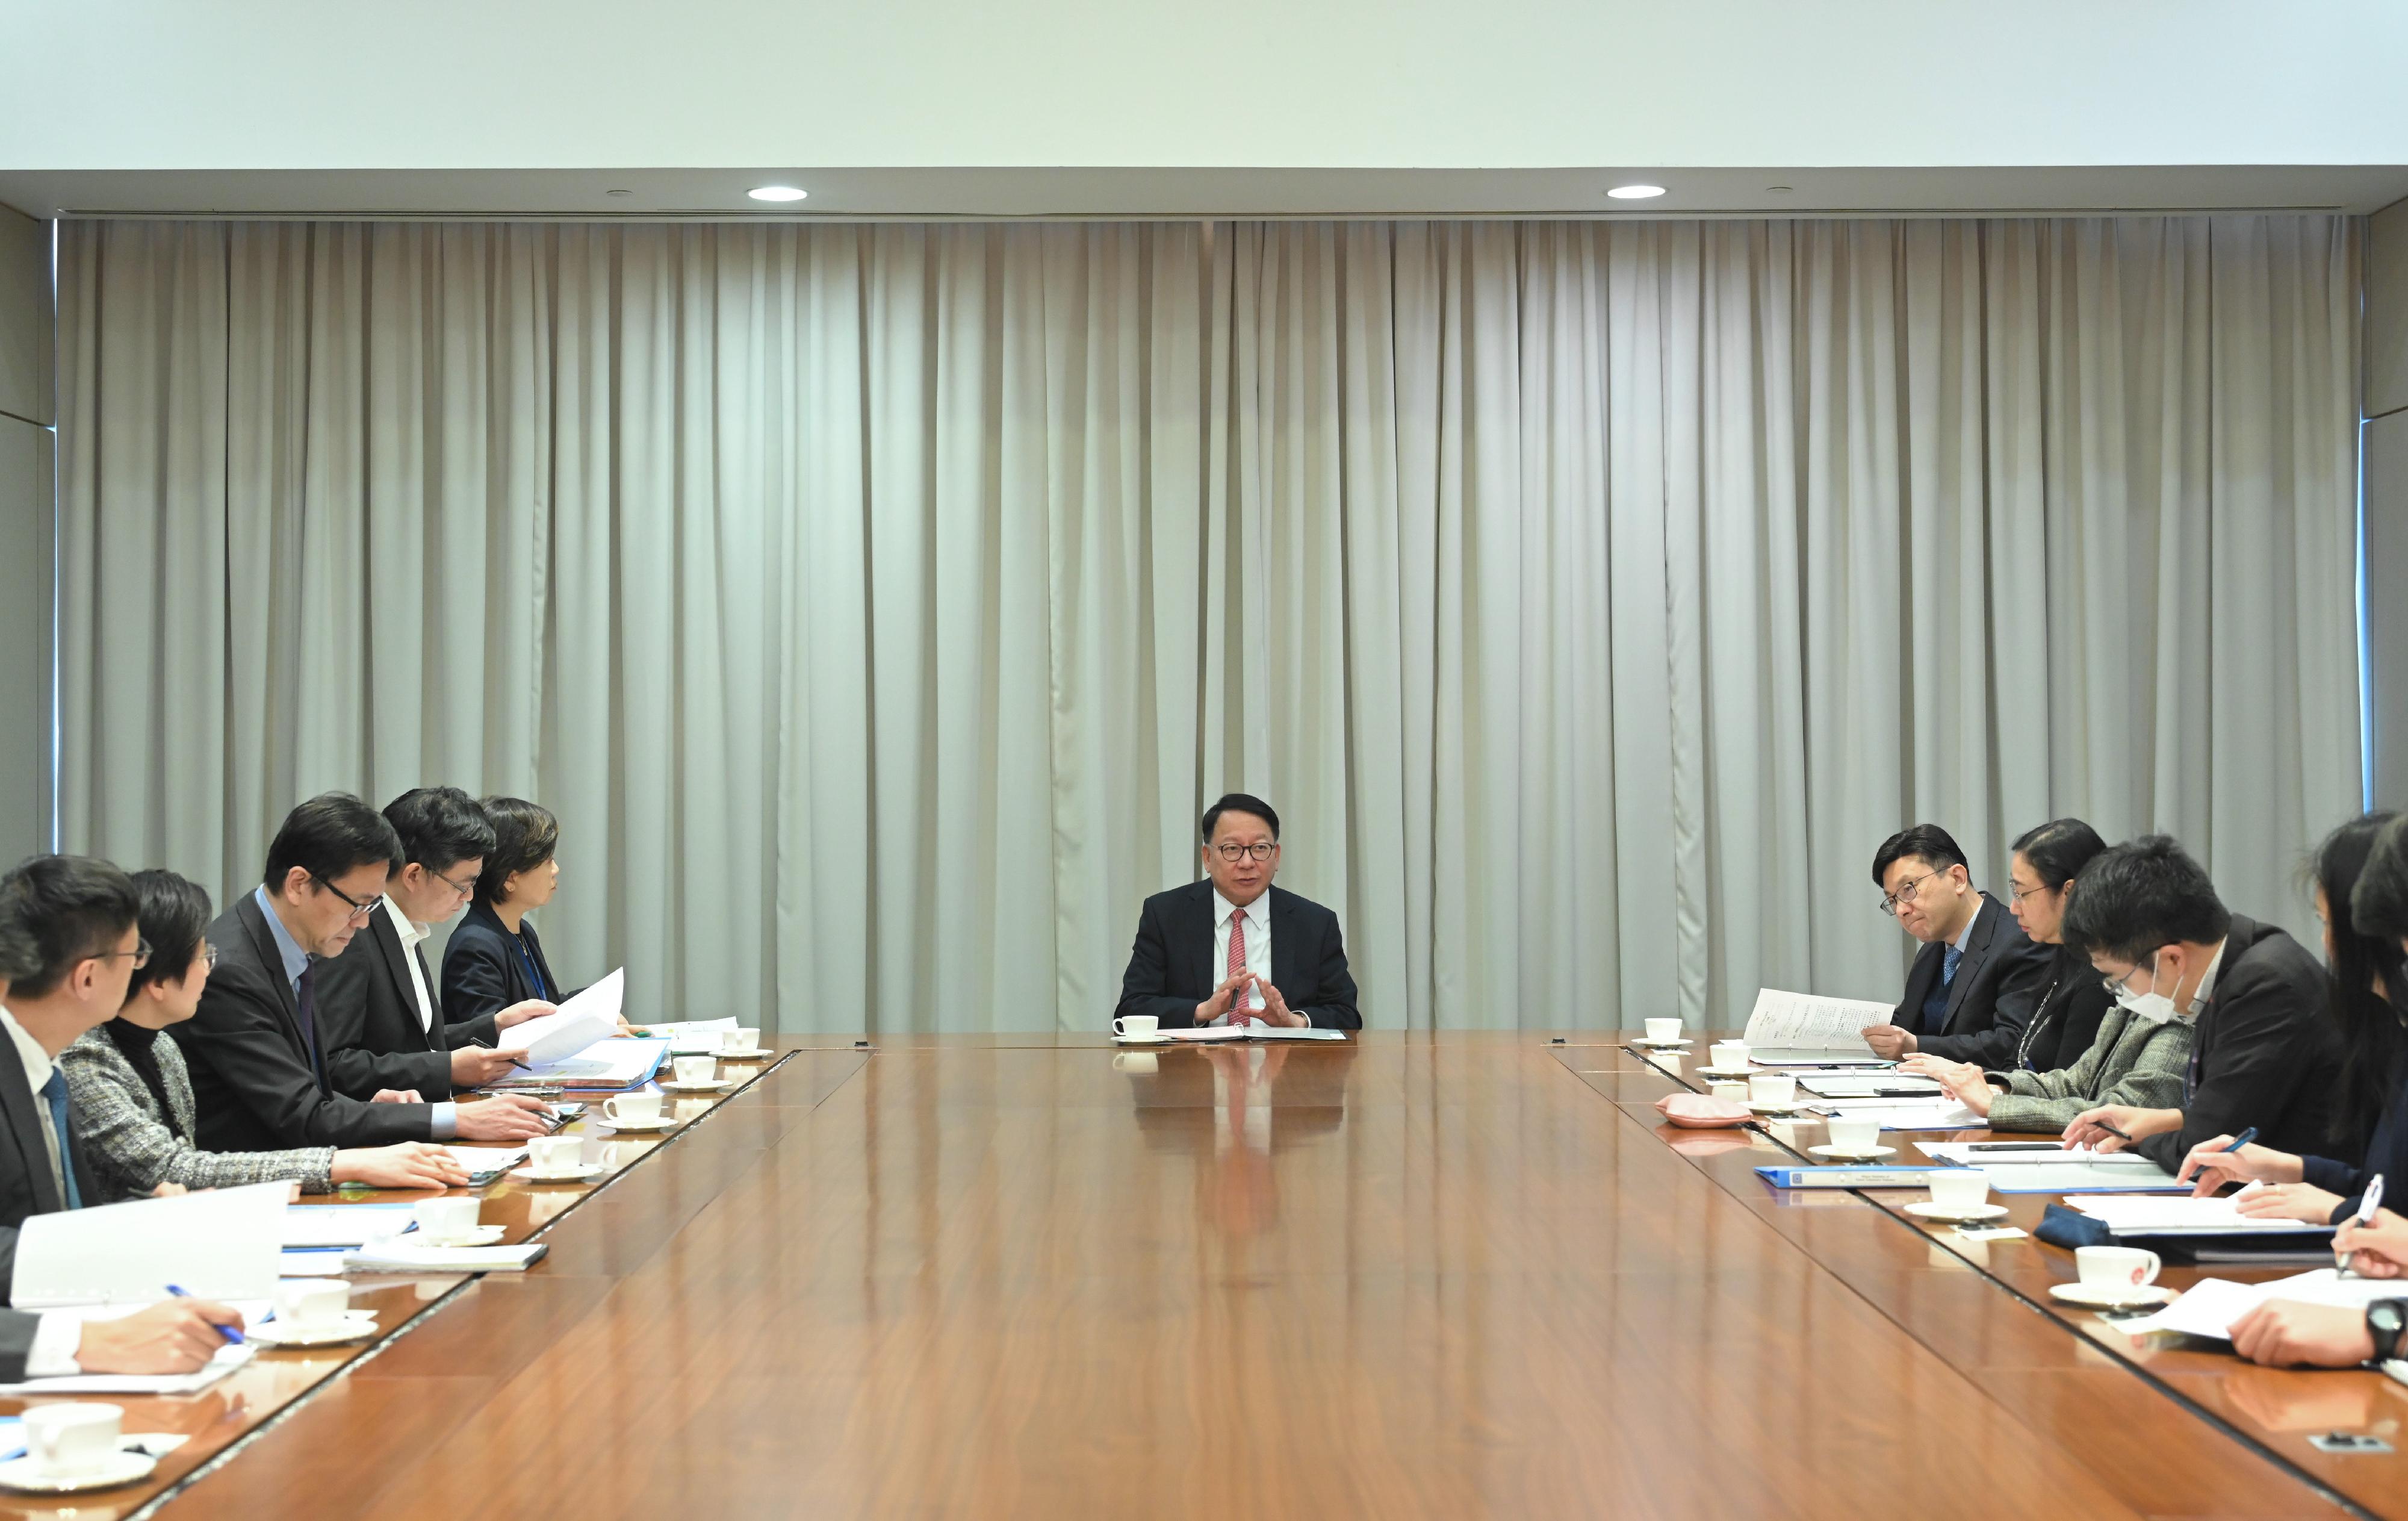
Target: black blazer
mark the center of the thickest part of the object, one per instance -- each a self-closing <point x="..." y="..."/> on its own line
<point x="2072" y="1008"/>
<point x="369" y="1017"/>
<point x="1170" y="967"/>
<point x="483" y="973"/>
<point x="26" y="1189"/>
<point x="2263" y="1053"/>
<point x="253" y="1089"/>
<point x="1999" y="982"/>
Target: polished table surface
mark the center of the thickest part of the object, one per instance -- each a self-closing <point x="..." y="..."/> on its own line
<point x="1410" y="1276"/>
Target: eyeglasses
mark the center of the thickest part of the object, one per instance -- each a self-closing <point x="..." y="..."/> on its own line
<point x="1260" y="852"/>
<point x="2017" y="895"/>
<point x="1905" y="894"/>
<point x="141" y="953"/>
<point x="466" y="891"/>
<point x="359" y="910"/>
<point x="209" y="957"/>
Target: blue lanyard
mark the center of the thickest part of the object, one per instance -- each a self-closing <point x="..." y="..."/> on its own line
<point x="535" y="975"/>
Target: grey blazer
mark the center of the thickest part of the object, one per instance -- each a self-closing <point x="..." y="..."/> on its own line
<point x="2131" y="1061"/>
<point x="130" y="1149"/>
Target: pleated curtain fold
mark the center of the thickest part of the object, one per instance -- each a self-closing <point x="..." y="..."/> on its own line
<point x="878" y="606"/>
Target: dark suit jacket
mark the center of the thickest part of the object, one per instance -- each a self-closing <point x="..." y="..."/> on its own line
<point x="369" y="1015"/>
<point x="2073" y="1005"/>
<point x="2387" y="1153"/>
<point x="2265" y="1053"/>
<point x="253" y="1089"/>
<point x="1171" y="968"/>
<point x="1999" y="980"/>
<point x="26" y="1189"/>
<point x="483" y="973"/>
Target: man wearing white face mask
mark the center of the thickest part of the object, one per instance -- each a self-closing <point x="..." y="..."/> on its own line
<point x="2262" y="1052"/>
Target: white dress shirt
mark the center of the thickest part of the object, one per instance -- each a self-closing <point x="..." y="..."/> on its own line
<point x="1258" y="948"/>
<point x="57" y="1336"/>
<point x="412" y="933"/>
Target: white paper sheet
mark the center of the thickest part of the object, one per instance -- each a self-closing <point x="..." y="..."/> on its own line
<point x="2213" y="1304"/>
<point x="1970" y="1153"/>
<point x="2186" y="1217"/>
<point x="343" y="1224"/>
<point x="229" y="1358"/>
<point x="592" y="1015"/>
<point x="1208" y="1034"/>
<point x="396" y="1257"/>
<point x="1868" y="1085"/>
<point x="1904" y="1113"/>
<point x="1802" y="1022"/>
<point x="620" y="1060"/>
<point x="220" y="1244"/>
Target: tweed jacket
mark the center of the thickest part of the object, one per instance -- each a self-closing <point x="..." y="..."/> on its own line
<point x="128" y="1145"/>
<point x="2131" y="1061"/>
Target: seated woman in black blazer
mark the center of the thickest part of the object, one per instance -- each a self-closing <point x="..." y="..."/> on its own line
<point x="495" y="959"/>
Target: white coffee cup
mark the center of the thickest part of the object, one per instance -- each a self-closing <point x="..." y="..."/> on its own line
<point x="556" y="1156"/>
<point x="311" y="1301"/>
<point x="2116" y="1267"/>
<point x="740" y="1038"/>
<point x="1772" y="1088"/>
<point x="1961" y="1189"/>
<point x="693" y="1071"/>
<point x="1734" y="1089"/>
<point x="1728" y="1056"/>
<point x="1663" y="1029"/>
<point x="443" y="1221"/>
<point x="72" y="1437"/>
<point x="1136" y="1026"/>
<point x="632" y="1108"/>
<point x="1852" y="1135"/>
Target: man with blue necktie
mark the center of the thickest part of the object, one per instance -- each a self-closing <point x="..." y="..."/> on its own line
<point x="1976" y="980"/>
<point x="69" y="944"/>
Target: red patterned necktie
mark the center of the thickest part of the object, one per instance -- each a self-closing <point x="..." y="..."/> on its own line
<point x="1237" y="1000"/>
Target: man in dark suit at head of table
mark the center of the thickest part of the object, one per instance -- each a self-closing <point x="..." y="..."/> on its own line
<point x="1976" y="980"/>
<point x="1233" y="948"/>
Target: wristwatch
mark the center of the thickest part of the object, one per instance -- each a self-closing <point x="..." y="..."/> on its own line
<point x="2385" y="1319"/>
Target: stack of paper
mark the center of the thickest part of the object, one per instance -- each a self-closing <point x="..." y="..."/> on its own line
<point x="343" y="1224"/>
<point x="590" y="1016"/>
<point x="620" y="1062"/>
<point x="1904" y="1113"/>
<point x="398" y="1256"/>
<point x="1796" y="1030"/>
<point x="2127" y="1216"/>
<point x="2211" y="1306"/>
<point x="220" y="1244"/>
<point x="229" y="1358"/>
<point x="2059" y="1169"/>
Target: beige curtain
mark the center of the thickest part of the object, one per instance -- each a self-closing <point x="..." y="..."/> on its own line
<point x="878" y="605"/>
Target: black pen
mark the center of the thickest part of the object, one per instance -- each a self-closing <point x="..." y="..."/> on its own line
<point x="514" y="1061"/>
<point x="2110" y="1130"/>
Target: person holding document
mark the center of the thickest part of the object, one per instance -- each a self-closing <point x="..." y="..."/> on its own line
<point x="133" y="1102"/>
<point x="2119" y="1059"/>
<point x="1975" y="983"/>
<point x="256" y="1045"/>
<point x="70" y="942"/>
<point x="385" y="1027"/>
<point x="2365" y="974"/>
<point x="1233" y="948"/>
<point x="496" y="961"/>
<point x="2263" y="1051"/>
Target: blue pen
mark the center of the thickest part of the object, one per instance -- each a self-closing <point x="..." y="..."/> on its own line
<point x="228" y="1331"/>
<point x="2243" y="1138"/>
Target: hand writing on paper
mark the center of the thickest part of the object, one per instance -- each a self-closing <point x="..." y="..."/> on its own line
<point x="1275" y="1009"/>
<point x="2216" y="1166"/>
<point x="2376" y="1251"/>
<point x="473" y="1066"/>
<point x="2098" y="1129"/>
<point x="1889" y="1041"/>
<point x="1218" y="1004"/>
<point x="174" y="1336"/>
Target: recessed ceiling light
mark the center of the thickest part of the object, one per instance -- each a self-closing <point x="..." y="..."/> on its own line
<point x="777" y="193"/>
<point x="1636" y="192"/>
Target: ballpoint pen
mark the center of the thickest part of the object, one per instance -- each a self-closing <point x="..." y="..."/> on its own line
<point x="2243" y="1138"/>
<point x="2371" y="1201"/>
<point x="228" y="1331"/>
<point x="514" y="1061"/>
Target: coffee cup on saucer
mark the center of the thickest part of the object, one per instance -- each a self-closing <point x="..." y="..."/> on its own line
<point x="1856" y="1136"/>
<point x="1138" y="1027"/>
<point x="1961" y="1190"/>
<point x="311" y="1303"/>
<point x="695" y="1071"/>
<point x="447" y="1221"/>
<point x="70" y="1438"/>
<point x="1772" y="1088"/>
<point x="739" y="1039"/>
<point x="632" y="1108"/>
<point x="556" y="1156"/>
<point x="1664" y="1031"/>
<point x="2116" y="1269"/>
<point x="1727" y="1056"/>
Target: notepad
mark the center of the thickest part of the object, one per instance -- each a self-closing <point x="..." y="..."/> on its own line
<point x="2188" y="1217"/>
<point x="229" y="1358"/>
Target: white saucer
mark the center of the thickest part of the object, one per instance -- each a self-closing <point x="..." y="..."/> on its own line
<point x="697" y="1087"/>
<point x="1724" y="1072"/>
<point x="1141" y="1039"/>
<point x="1663" y="1045"/>
<point x="27" y="1475"/>
<point x="585" y="1173"/>
<point x="1835" y="1155"/>
<point x="658" y="1122"/>
<point x="482" y="1236"/>
<point x="1927" y="1209"/>
<point x="2111" y="1297"/>
<point x="353" y="1326"/>
<point x="755" y="1054"/>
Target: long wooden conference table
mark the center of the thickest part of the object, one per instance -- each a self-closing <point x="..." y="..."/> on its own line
<point x="1454" y="1275"/>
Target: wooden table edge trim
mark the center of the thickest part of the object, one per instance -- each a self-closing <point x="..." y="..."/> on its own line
<point x="384" y="1343"/>
<point x="2212" y="1419"/>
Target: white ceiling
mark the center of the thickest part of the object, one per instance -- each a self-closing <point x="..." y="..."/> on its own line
<point x="1113" y="193"/>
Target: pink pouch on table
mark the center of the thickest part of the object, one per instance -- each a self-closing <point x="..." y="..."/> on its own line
<point x="1701" y="1110"/>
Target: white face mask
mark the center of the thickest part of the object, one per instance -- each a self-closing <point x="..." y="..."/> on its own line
<point x="2156" y="1008"/>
